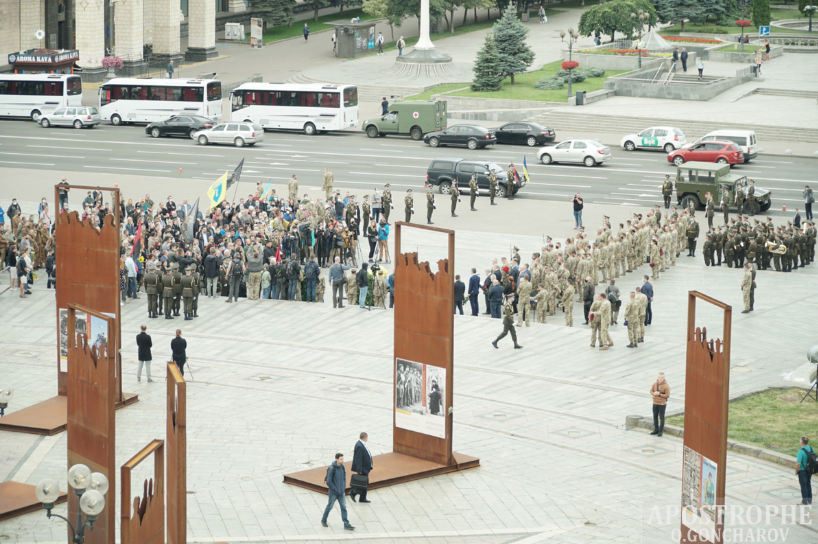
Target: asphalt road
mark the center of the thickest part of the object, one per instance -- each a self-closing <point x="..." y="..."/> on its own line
<point x="360" y="163"/>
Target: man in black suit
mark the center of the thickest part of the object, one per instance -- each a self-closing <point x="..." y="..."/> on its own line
<point x="459" y="294"/>
<point x="178" y="345"/>
<point x="361" y="464"/>
<point x="683" y="56"/>
<point x="486" y="286"/>
<point x="143" y="342"/>
<point x="796" y="219"/>
<point x="474" y="292"/>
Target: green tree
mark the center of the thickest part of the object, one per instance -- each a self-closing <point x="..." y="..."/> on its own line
<point x="677" y="11"/>
<point x="380" y="8"/>
<point x="408" y="8"/>
<point x="451" y="7"/>
<point x="761" y="13"/>
<point x="802" y="4"/>
<point x="711" y="9"/>
<point x="509" y="38"/>
<point x="488" y="74"/>
<point x="275" y="12"/>
<point x="607" y="18"/>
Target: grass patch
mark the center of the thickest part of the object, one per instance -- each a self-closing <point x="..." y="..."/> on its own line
<point x="524" y="89"/>
<point x="785" y="14"/>
<point x="773" y="419"/>
<point x="277" y="33"/>
<point x="748" y="49"/>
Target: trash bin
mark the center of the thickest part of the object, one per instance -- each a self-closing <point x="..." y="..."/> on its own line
<point x="580" y="98"/>
<point x="754" y="70"/>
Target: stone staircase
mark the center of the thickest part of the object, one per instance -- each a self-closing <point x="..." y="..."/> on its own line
<point x="786" y="92"/>
<point x="367" y="93"/>
<point x="573" y="120"/>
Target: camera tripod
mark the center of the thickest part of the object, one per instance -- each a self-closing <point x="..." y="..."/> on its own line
<point x="814" y="387"/>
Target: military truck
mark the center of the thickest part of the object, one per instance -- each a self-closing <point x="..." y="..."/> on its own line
<point x="412" y="117"/>
<point x="695" y="179"/>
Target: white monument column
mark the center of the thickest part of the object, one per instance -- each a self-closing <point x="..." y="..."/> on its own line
<point x="90" y="31"/>
<point x="424" y="42"/>
<point x="128" y="25"/>
<point x="201" y="25"/>
<point x="166" y="17"/>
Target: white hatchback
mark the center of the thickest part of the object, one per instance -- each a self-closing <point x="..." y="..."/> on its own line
<point x="667" y="138"/>
<point x="587" y="152"/>
<point x="238" y="134"/>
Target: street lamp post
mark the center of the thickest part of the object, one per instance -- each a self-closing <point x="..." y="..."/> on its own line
<point x="89" y="487"/>
<point x="572" y="38"/>
<point x="810" y="11"/>
<point x="743" y="14"/>
<point x="6" y="392"/>
<point x="642" y="16"/>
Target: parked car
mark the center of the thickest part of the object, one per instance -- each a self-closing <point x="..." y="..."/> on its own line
<point x="85" y="116"/>
<point x="695" y="179"/>
<point x="442" y="172"/>
<point x="238" y="134"/>
<point x="521" y="133"/>
<point x="746" y="139"/>
<point x="471" y="136"/>
<point x="587" y="152"/>
<point x="714" y="151"/>
<point x="179" y="125"/>
<point x="667" y="138"/>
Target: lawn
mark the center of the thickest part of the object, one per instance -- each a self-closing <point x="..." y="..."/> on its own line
<point x="524" y="89"/>
<point x="773" y="419"/>
<point x="747" y="48"/>
<point x="277" y="33"/>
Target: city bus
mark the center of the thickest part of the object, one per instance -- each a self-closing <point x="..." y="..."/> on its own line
<point x="314" y="107"/>
<point x="147" y="100"/>
<point x="32" y="95"/>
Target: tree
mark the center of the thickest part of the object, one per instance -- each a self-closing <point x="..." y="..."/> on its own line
<point x="401" y="9"/>
<point x="677" y="11"/>
<point x="711" y="9"/>
<point x="761" y="13"/>
<point x="275" y="12"/>
<point x="607" y="18"/>
<point x="451" y="7"/>
<point x="380" y="8"/>
<point x="318" y="4"/>
<point x="802" y="5"/>
<point x="488" y="74"/>
<point x="509" y="38"/>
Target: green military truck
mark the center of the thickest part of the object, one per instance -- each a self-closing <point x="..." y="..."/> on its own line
<point x="695" y="179"/>
<point x="412" y="117"/>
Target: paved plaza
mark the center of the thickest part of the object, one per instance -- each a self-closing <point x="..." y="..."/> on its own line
<point x="278" y="387"/>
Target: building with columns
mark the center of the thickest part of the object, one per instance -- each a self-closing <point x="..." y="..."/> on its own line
<point x="120" y="28"/>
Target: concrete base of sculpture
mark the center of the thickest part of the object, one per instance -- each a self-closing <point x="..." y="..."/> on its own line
<point x="423" y="62"/>
<point x="200" y="54"/>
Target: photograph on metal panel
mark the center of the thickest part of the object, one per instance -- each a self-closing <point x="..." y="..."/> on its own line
<point x="81" y="326"/>
<point x="420" y="398"/>
<point x="98" y="335"/>
<point x="409" y="387"/>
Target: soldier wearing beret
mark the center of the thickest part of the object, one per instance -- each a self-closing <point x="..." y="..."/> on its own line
<point x="151" y="282"/>
<point x="186" y="285"/>
<point x="176" y="288"/>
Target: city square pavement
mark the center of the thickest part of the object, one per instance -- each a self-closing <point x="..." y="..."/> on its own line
<point x="280" y="386"/>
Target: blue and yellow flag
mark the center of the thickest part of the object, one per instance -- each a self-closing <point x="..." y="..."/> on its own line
<point x="218" y="191"/>
<point x="266" y="190"/>
<point x="525" y="170"/>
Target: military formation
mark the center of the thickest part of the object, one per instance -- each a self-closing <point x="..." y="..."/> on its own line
<point x="168" y="290"/>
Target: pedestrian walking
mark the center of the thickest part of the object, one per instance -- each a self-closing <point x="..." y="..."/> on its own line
<point x="660" y="391"/>
<point x="144" y="344"/>
<point x="508" y="323"/>
<point x="401" y="44"/>
<point x="306" y="32"/>
<point x="587" y="298"/>
<point x="808" y="200"/>
<point x="675" y="60"/>
<point x="459" y="294"/>
<point x="802" y="469"/>
<point x="170" y="69"/>
<point x="578" y="205"/>
<point x="336" y="486"/>
<point x="543" y="18"/>
<point x="362" y="464"/>
<point x="384" y="106"/>
<point x="767" y="49"/>
<point x="683" y="57"/>
<point x="647" y="290"/>
<point x="333" y="41"/>
<point x="758" y="61"/>
<point x="178" y="348"/>
<point x="379" y="40"/>
<point x="700" y="67"/>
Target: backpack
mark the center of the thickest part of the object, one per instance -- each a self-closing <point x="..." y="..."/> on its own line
<point x="327" y="476"/>
<point x="236" y="271"/>
<point x="812" y="461"/>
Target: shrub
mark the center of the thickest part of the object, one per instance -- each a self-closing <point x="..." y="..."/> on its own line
<point x="550" y="84"/>
<point x="577" y="77"/>
<point x="596" y="72"/>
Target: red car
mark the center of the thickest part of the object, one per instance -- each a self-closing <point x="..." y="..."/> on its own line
<point x="713" y="151"/>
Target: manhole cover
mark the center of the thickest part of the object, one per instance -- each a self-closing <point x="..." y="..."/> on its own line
<point x="344" y="389"/>
<point x="500" y="416"/>
<point x="648" y="451"/>
<point x="265" y="378"/>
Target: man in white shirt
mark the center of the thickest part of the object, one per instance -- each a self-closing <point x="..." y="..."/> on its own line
<point x="130" y="265"/>
<point x="375" y="200"/>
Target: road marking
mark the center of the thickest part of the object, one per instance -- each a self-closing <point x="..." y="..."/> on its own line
<point x="557" y="185"/>
<point x="569" y="176"/>
<point x="278" y="168"/>
<point x="402" y="166"/>
<point x="626" y="164"/>
<point x="390" y="175"/>
<point x="345" y="154"/>
<point x="154" y="162"/>
<point x="63" y="133"/>
<point x="282" y="145"/>
<point x="168" y="153"/>
<point x="631" y="159"/>
<point x="38" y="155"/>
<point x="75" y="148"/>
<point x="375" y="150"/>
<point x="778" y="162"/>
<point x="115" y="168"/>
<point x="29" y="163"/>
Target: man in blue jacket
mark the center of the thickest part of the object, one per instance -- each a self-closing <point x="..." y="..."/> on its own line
<point x="647" y="290"/>
<point x="336" y="484"/>
<point x="361" y="464"/>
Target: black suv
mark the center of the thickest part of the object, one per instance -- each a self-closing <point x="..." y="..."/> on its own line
<point x="179" y="125"/>
<point x="471" y="136"/>
<point x="442" y="172"/>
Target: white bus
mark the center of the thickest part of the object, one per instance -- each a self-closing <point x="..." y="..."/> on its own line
<point x="147" y="100"/>
<point x="315" y="107"/>
<point x="31" y="95"/>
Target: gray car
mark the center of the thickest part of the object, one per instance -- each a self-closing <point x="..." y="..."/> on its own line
<point x="83" y="116"/>
<point x="238" y="134"/>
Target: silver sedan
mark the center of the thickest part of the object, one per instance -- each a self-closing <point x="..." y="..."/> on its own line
<point x="238" y="134"/>
<point x="587" y="152"/>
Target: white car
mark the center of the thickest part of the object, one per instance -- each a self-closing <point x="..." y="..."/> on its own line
<point x="667" y="138"/>
<point x="587" y="152"/>
<point x="84" y="116"/>
<point x="238" y="134"/>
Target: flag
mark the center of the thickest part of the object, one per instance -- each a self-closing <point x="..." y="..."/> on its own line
<point x="236" y="175"/>
<point x="190" y="222"/>
<point x="266" y="190"/>
<point x="137" y="244"/>
<point x="525" y="170"/>
<point x="218" y="191"/>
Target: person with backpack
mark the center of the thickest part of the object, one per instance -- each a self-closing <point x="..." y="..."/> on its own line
<point x="234" y="274"/>
<point x="311" y="273"/>
<point x="806" y="464"/>
<point x="293" y="272"/>
<point x="336" y="480"/>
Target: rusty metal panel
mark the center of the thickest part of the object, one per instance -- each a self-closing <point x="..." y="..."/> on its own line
<point x="91" y="421"/>
<point x="424" y="333"/>
<point x="707" y="384"/>
<point x="145" y="522"/>
<point x="176" y="441"/>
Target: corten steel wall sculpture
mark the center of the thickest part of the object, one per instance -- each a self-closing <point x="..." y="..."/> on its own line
<point x="91" y="421"/>
<point x="424" y="333"/>
<point x="707" y="382"/>
<point x="147" y="526"/>
<point x="176" y="441"/>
